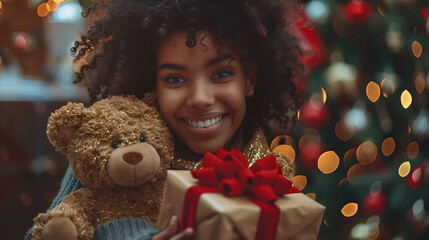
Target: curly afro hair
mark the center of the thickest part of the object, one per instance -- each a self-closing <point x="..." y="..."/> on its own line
<point x="125" y="35"/>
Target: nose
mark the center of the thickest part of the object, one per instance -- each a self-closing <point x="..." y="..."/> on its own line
<point x="201" y="95"/>
<point x="132" y="158"/>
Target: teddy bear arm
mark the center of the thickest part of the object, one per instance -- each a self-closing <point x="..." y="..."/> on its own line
<point x="71" y="219"/>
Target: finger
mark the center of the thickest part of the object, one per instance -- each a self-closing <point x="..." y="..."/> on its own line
<point x="184" y="235"/>
<point x="169" y="232"/>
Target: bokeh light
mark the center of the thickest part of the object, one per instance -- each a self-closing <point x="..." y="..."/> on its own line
<point x="417" y="49"/>
<point x="282" y="139"/>
<point x="1" y="5"/>
<point x="388" y="146"/>
<point x="420" y="84"/>
<point x="52" y="5"/>
<point x="406" y="99"/>
<point x="349" y="209"/>
<point x="366" y="153"/>
<point x="387" y="87"/>
<point x="343" y="131"/>
<point x="356" y="170"/>
<point x="328" y="162"/>
<point x="380" y="10"/>
<point x="311" y="195"/>
<point x="350" y="158"/>
<point x="43" y="10"/>
<point x="342" y="182"/>
<point x="404" y="169"/>
<point x="324" y="95"/>
<point x="286" y="150"/>
<point x="21" y="42"/>
<point x="412" y="150"/>
<point x="58" y="1"/>
<point x="372" y="91"/>
<point x="299" y="181"/>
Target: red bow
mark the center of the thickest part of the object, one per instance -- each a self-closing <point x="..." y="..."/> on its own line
<point x="228" y="171"/>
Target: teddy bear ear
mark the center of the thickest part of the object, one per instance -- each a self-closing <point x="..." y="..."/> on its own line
<point x="63" y="123"/>
<point x="150" y="99"/>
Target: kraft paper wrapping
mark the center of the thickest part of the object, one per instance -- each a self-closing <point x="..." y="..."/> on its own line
<point x="221" y="217"/>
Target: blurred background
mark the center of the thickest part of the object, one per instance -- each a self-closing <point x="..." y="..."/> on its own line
<point x="361" y="141"/>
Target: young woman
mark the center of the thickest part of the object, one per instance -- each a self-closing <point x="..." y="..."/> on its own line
<point x="218" y="70"/>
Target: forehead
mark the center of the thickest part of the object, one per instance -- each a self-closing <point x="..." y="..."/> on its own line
<point x="174" y="49"/>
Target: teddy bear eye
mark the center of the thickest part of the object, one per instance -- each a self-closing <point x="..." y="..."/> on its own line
<point x="114" y="144"/>
<point x="141" y="139"/>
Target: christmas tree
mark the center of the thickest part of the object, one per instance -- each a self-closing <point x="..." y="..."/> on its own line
<point x="362" y="138"/>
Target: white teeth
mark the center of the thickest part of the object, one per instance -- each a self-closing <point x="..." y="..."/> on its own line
<point x="204" y="124"/>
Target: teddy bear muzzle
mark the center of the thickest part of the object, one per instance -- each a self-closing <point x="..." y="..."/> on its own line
<point x="133" y="165"/>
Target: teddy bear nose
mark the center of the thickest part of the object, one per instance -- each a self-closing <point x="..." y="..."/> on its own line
<point x="132" y="158"/>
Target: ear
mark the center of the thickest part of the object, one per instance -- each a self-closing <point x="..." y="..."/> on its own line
<point x="251" y="80"/>
<point x="63" y="123"/>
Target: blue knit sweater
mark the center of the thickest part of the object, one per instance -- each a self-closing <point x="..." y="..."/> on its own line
<point x="127" y="229"/>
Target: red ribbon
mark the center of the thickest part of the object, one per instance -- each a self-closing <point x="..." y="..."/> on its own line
<point x="227" y="172"/>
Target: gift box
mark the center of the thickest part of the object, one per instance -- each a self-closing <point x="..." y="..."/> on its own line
<point x="238" y="217"/>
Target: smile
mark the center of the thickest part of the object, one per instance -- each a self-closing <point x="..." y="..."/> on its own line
<point x="204" y="123"/>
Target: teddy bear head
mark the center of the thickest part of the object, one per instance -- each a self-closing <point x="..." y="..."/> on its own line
<point x="119" y="140"/>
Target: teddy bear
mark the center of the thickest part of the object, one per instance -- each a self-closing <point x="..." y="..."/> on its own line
<point x="120" y="149"/>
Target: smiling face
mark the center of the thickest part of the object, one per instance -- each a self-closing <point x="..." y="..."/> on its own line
<point x="201" y="92"/>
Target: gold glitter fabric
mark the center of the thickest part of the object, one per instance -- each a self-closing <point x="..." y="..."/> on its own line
<point x="85" y="136"/>
<point x="255" y="149"/>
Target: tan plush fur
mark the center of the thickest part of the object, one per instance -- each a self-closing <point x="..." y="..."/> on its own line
<point x="122" y="182"/>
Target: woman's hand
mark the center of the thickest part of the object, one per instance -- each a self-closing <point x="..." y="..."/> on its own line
<point x="171" y="232"/>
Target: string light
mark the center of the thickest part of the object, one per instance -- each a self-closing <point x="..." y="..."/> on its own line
<point x="388" y="146"/>
<point x="420" y="84"/>
<point x="406" y="99"/>
<point x="328" y="162"/>
<point x="412" y="150"/>
<point x="417" y="49"/>
<point x="366" y="153"/>
<point x="43" y="10"/>
<point x="299" y="181"/>
<point x="404" y="169"/>
<point x="343" y="131"/>
<point x="349" y="209"/>
<point x="372" y="91"/>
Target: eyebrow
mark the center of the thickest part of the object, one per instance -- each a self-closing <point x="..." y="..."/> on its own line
<point x="209" y="63"/>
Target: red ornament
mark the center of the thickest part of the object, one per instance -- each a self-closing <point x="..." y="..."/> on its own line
<point x="313" y="50"/>
<point x="314" y="114"/>
<point x="374" y="204"/>
<point x="357" y="12"/>
<point x="310" y="154"/>
<point x="414" y="178"/>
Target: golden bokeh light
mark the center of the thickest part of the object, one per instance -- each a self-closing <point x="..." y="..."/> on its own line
<point x="420" y="84"/>
<point x="350" y="209"/>
<point x="1" y="5"/>
<point x="286" y="150"/>
<point x="350" y="158"/>
<point x="52" y="5"/>
<point x="298" y="114"/>
<point x="343" y="131"/>
<point x="404" y="169"/>
<point x="299" y="181"/>
<point x="366" y="153"/>
<point x="406" y="99"/>
<point x="413" y="150"/>
<point x="328" y="162"/>
<point x="417" y="49"/>
<point x="326" y="222"/>
<point x="43" y="10"/>
<point x="282" y="139"/>
<point x="387" y="87"/>
<point x="311" y="195"/>
<point x="372" y="91"/>
<point x="356" y="171"/>
<point x="58" y="1"/>
<point x="324" y="95"/>
<point x="388" y="146"/>
<point x="342" y="182"/>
